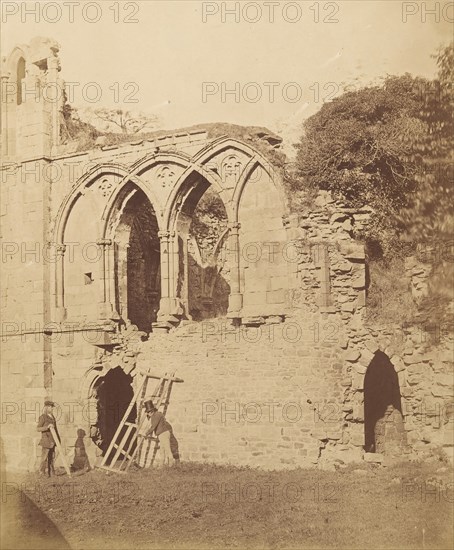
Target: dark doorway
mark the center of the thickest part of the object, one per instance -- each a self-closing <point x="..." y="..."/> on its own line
<point x="383" y="421"/>
<point x="114" y="393"/>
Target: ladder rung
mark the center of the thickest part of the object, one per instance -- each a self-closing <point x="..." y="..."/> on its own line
<point x="127" y="455"/>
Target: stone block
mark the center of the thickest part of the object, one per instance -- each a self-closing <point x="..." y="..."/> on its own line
<point x="353" y="251"/>
<point x="348" y="307"/>
<point x="352" y="355"/>
<point x="357" y="439"/>
<point x="358" y="382"/>
<point x="445" y="380"/>
<point x="373" y="457"/>
<point x="416" y="369"/>
<point x="412" y="358"/>
<point x="279" y="282"/>
<point x="398" y="363"/>
<point x="359" y="282"/>
<point x="254" y="298"/>
<point x="276" y="296"/>
<point x="402" y="378"/>
<point x="359" y="368"/>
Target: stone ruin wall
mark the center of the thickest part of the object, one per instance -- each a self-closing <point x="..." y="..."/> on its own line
<point x="301" y="368"/>
<point x="282" y="392"/>
<point x="278" y="391"/>
<point x="314" y="363"/>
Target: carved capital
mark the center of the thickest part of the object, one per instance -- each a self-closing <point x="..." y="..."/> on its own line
<point x="163" y="234"/>
<point x="104" y="242"/>
<point x="60" y="249"/>
<point x="234" y="226"/>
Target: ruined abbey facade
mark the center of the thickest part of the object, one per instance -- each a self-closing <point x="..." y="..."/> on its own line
<point x="179" y="253"/>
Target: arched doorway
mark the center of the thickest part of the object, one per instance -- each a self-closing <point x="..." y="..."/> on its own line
<point x="113" y="393"/>
<point x="137" y="263"/>
<point x="383" y="420"/>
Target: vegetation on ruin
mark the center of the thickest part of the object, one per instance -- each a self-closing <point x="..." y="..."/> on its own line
<point x="72" y="128"/>
<point x="209" y="220"/>
<point x="391" y="147"/>
<point x="126" y="121"/>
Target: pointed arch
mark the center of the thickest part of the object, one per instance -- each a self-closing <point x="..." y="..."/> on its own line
<point x="256" y="159"/>
<point x="88" y="179"/>
<point x="183" y="188"/>
<point x="12" y="60"/>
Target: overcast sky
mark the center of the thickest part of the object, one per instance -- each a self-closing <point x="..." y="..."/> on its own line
<point x="171" y="51"/>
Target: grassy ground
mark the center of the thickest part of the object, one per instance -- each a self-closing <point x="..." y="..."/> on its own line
<point x="409" y="505"/>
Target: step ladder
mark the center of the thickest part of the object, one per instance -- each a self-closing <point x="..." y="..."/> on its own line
<point x="128" y="444"/>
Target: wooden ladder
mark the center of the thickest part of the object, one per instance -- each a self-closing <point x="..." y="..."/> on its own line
<point x="124" y="447"/>
<point x="60" y="450"/>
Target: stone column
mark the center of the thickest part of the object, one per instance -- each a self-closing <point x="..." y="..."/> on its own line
<point x="53" y="68"/>
<point x="174" y="264"/>
<point x="185" y="288"/>
<point x="122" y="281"/>
<point x="5" y="123"/>
<point x="60" y="310"/>
<point x="165" y="256"/>
<point x="235" y="298"/>
<point x="181" y="248"/>
<point x="105" y="306"/>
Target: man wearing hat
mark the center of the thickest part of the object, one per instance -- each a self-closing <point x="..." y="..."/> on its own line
<point x="163" y="430"/>
<point x="47" y="442"/>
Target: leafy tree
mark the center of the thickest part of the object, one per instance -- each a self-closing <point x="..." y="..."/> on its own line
<point x="360" y="147"/>
<point x="429" y="215"/>
<point x="128" y="122"/>
<point x="391" y="146"/>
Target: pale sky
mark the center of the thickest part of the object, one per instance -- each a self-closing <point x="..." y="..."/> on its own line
<point x="170" y="52"/>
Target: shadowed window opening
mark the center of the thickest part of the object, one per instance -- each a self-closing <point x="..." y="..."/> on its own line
<point x="383" y="420"/>
<point x="137" y="264"/>
<point x="208" y="273"/>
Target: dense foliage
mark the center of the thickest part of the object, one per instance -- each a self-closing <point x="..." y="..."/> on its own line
<point x="391" y="147"/>
<point x="430" y="215"/>
<point x="359" y="146"/>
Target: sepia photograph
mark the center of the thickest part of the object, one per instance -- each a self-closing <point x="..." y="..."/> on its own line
<point x="227" y="275"/>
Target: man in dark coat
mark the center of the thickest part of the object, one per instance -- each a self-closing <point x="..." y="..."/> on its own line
<point x="47" y="442"/>
<point x="163" y="430"/>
